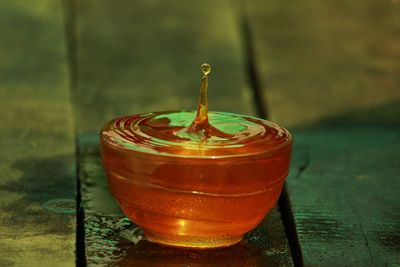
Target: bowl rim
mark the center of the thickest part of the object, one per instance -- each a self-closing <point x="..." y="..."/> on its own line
<point x="288" y="142"/>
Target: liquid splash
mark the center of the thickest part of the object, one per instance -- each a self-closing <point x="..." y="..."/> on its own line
<point x="196" y="134"/>
<point x="195" y="178"/>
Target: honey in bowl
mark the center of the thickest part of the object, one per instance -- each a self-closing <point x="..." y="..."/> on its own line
<point x="195" y="178"/>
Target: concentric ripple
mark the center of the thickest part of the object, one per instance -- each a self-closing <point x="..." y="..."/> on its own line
<point x="168" y="133"/>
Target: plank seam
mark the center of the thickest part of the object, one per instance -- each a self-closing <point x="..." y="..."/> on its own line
<point x="284" y="204"/>
<point x="253" y="78"/>
<point x="69" y="7"/>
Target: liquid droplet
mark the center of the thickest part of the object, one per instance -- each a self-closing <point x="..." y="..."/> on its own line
<point x="206" y="68"/>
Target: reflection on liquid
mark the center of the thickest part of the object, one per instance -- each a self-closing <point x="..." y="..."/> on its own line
<point x="182" y="226"/>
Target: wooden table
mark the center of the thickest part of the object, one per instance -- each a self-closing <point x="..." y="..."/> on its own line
<point x="328" y="71"/>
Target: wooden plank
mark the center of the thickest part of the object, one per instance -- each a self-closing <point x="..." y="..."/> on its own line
<point x="320" y="59"/>
<point x="145" y="56"/>
<point x="330" y="71"/>
<point x="37" y="155"/>
<point x="344" y="191"/>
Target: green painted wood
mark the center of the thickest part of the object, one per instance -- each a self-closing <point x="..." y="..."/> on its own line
<point x="320" y="59"/>
<point x="145" y="56"/>
<point x="37" y="155"/>
<point x="329" y="70"/>
<point x="344" y="191"/>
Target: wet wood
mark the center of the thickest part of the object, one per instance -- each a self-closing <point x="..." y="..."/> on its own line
<point x="141" y="57"/>
<point x="329" y="70"/>
<point x="37" y="165"/>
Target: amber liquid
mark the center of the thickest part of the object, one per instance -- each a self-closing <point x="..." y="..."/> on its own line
<point x="192" y="202"/>
<point x="195" y="184"/>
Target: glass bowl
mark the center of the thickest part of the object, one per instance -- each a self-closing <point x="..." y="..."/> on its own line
<point x="185" y="197"/>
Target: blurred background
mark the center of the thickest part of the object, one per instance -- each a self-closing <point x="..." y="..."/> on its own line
<point x="328" y="71"/>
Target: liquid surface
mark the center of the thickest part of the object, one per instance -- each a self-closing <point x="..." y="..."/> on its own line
<point x="169" y="133"/>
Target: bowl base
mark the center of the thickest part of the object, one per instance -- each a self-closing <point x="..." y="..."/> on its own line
<point x="191" y="241"/>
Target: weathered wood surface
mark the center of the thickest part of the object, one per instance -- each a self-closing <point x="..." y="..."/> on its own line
<point x="145" y="56"/>
<point x="330" y="71"/>
<point x="37" y="165"/>
<point x="320" y="59"/>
